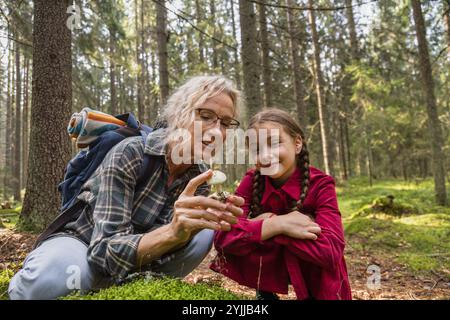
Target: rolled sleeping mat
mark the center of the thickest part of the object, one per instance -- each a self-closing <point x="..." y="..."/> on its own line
<point x="88" y="125"/>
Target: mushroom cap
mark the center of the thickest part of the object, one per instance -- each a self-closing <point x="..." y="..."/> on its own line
<point x="218" y="177"/>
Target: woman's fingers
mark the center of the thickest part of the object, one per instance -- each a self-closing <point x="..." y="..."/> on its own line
<point x="200" y="201"/>
<point x="209" y="214"/>
<point x="196" y="224"/>
<point x="234" y="210"/>
<point x="224" y="216"/>
<point x="200" y="214"/>
<point x="195" y="182"/>
<point x="236" y="200"/>
<point x="205" y="202"/>
<point x="225" y="226"/>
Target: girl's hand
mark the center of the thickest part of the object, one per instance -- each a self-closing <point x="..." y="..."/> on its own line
<point x="193" y="213"/>
<point x="298" y="225"/>
<point x="262" y="216"/>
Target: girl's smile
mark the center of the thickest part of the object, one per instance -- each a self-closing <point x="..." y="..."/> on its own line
<point x="278" y="153"/>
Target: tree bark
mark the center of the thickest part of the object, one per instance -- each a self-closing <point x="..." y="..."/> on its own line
<point x="9" y="129"/>
<point x="140" y="103"/>
<point x="215" y="58"/>
<point x="355" y="55"/>
<point x="352" y="30"/>
<point x="25" y="123"/>
<point x="267" y="72"/>
<point x="299" y="90"/>
<point x="432" y="109"/>
<point x="50" y="112"/>
<point x="236" y="66"/>
<point x="250" y="58"/>
<point x="161" y="23"/>
<point x="447" y="23"/>
<point x="112" y="73"/>
<point x="201" y="41"/>
<point x="17" y="130"/>
<point x="323" y="113"/>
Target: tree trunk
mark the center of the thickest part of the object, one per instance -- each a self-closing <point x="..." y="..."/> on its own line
<point x="112" y="73"/>
<point x="267" y="72"/>
<point x="140" y="102"/>
<point x="215" y="59"/>
<point x="17" y="130"/>
<point x="447" y="23"/>
<point x="144" y="69"/>
<point x="433" y="119"/>
<point x="236" y="65"/>
<point x="25" y="124"/>
<point x="352" y="30"/>
<point x="323" y="114"/>
<point x="201" y="41"/>
<point x="161" y="21"/>
<point x="342" y="148"/>
<point x="50" y="112"/>
<point x="250" y="58"/>
<point x="354" y="49"/>
<point x="9" y="129"/>
<point x="299" y="90"/>
<point x="369" y="157"/>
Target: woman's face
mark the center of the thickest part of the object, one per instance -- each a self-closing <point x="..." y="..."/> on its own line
<point x="280" y="155"/>
<point x="220" y="106"/>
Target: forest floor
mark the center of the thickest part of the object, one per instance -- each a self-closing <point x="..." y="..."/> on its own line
<point x="409" y="243"/>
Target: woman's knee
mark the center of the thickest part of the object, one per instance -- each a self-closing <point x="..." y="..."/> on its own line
<point x="187" y="259"/>
<point x="52" y="270"/>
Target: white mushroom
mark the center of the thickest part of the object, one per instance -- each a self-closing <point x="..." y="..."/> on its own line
<point x="216" y="181"/>
<point x="218" y="177"/>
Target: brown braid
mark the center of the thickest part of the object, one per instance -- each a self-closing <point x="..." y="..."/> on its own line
<point x="303" y="164"/>
<point x="258" y="187"/>
<point x="293" y="129"/>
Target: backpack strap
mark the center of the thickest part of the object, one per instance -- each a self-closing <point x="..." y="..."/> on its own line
<point x="148" y="165"/>
<point x="147" y="169"/>
<point x="60" y="221"/>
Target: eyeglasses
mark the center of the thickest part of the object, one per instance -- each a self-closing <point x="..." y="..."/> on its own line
<point x="209" y="117"/>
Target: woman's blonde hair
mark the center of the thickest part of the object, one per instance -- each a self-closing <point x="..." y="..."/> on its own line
<point x="178" y="112"/>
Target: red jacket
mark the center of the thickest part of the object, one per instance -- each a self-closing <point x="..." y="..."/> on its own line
<point x="315" y="268"/>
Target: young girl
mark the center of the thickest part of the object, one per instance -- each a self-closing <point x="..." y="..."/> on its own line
<point x="291" y="230"/>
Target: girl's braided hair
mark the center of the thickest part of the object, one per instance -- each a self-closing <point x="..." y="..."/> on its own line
<point x="292" y="128"/>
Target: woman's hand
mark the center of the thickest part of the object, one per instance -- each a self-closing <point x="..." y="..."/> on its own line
<point x="298" y="225"/>
<point x="193" y="213"/>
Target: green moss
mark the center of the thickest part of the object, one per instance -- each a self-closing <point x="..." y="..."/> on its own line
<point x="356" y="193"/>
<point x="5" y="277"/>
<point x="387" y="205"/>
<point x="159" y="289"/>
<point x="422" y="243"/>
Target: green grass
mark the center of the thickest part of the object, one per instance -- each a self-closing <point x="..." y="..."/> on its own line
<point x="419" y="238"/>
<point x="159" y="289"/>
<point x="356" y="193"/>
<point x="12" y="215"/>
<point x="5" y="277"/>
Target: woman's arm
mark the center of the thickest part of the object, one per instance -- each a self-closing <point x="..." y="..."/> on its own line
<point x="247" y="234"/>
<point x="113" y="245"/>
<point x="192" y="213"/>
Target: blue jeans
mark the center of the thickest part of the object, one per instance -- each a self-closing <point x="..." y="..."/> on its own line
<point x="59" y="266"/>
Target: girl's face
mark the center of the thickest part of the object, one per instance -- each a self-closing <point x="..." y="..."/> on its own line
<point x="280" y="155"/>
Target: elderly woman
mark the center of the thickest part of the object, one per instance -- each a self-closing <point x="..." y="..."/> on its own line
<point x="166" y="226"/>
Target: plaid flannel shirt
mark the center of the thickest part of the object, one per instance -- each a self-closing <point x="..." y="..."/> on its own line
<point x="117" y="216"/>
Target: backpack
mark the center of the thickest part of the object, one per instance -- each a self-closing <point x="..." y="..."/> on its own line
<point x="83" y="165"/>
